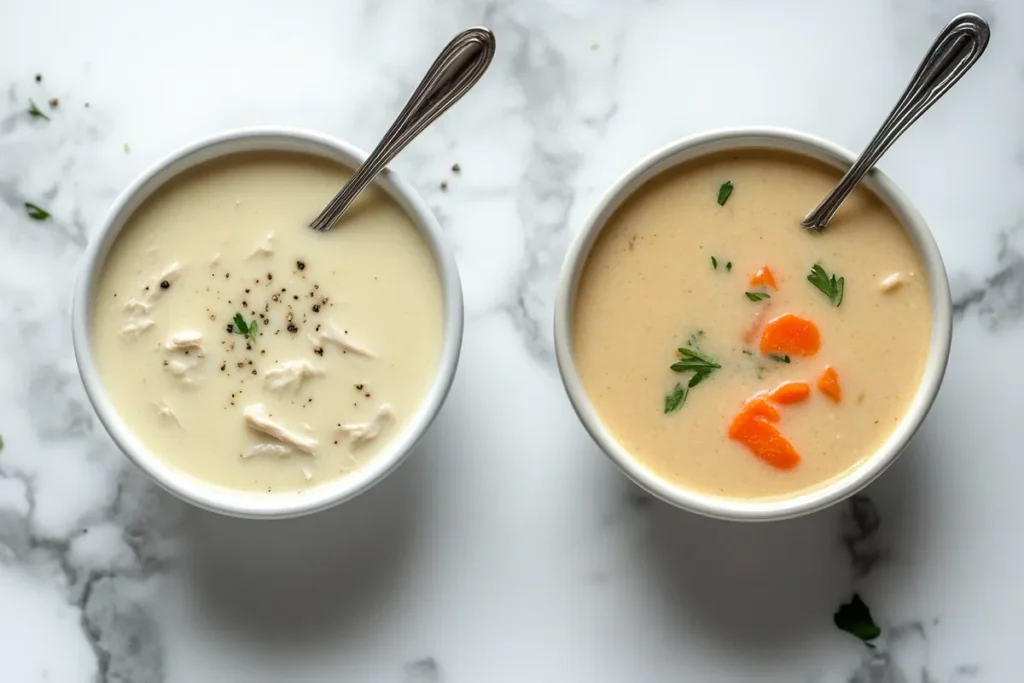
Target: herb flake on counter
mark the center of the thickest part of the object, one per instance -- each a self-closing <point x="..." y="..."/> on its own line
<point x="855" y="618"/>
<point x="724" y="192"/>
<point x="36" y="213"/>
<point x="674" y="399"/>
<point x="830" y="286"/>
<point x="728" y="267"/>
<point x="714" y="263"/>
<point x="35" y="112"/>
<point x="758" y="296"/>
<point x="248" y="330"/>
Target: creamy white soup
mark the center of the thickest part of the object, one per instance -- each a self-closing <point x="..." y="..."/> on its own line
<point x="734" y="353"/>
<point x="252" y="352"/>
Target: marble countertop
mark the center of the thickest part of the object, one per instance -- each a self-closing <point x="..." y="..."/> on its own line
<point x="507" y="549"/>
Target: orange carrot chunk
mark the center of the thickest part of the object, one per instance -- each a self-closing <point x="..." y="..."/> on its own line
<point x="828" y="384"/>
<point x="790" y="335"/>
<point x="753" y="429"/>
<point x="764" y="277"/>
<point x="791" y="392"/>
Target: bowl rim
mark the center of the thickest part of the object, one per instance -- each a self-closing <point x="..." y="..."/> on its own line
<point x="738" y="138"/>
<point x="252" y="504"/>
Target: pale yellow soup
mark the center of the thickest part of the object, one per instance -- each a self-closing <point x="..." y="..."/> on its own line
<point x="348" y="327"/>
<point x="649" y="287"/>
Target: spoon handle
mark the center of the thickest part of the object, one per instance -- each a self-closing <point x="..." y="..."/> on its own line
<point x="954" y="51"/>
<point x="457" y="69"/>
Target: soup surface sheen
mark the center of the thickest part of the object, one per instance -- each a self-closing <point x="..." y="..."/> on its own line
<point x="347" y="334"/>
<point x="675" y="269"/>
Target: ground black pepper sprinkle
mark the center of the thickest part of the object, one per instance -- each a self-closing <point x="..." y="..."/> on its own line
<point x="293" y="329"/>
<point x="300" y="265"/>
<point x="316" y="308"/>
<point x="319" y="351"/>
<point x="359" y="387"/>
<point x="270" y="276"/>
<point x="231" y="329"/>
<point x="165" y="284"/>
<point x="456" y="168"/>
<point x="254" y="371"/>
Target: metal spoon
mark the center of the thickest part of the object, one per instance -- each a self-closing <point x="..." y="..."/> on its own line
<point x="954" y="51"/>
<point x="457" y="69"/>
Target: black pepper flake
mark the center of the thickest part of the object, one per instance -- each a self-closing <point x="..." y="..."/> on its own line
<point x="456" y="168"/>
<point x="223" y="367"/>
<point x="275" y="298"/>
<point x="319" y="351"/>
<point x="254" y="371"/>
<point x="39" y="78"/>
<point x="165" y="362"/>
<point x="247" y="291"/>
<point x="359" y="387"/>
<point x="165" y="284"/>
<point x="367" y="394"/>
<point x="295" y="296"/>
<point x="231" y="329"/>
<point x="293" y="329"/>
<point x="263" y="352"/>
<point x="241" y="364"/>
<point x="245" y="304"/>
<point x="316" y="308"/>
<point x="444" y="186"/>
<point x="300" y="265"/>
<point x="270" y="276"/>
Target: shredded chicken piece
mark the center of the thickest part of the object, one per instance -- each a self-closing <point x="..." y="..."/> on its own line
<point x="361" y="432"/>
<point x="136" y="306"/>
<point x="265" y="249"/>
<point x="306" y="472"/>
<point x="164" y="411"/>
<point x="275" y="450"/>
<point x="330" y="334"/>
<point x="136" y="327"/>
<point x="215" y="260"/>
<point x="256" y="417"/>
<point x="892" y="282"/>
<point x="290" y="375"/>
<point x="185" y="340"/>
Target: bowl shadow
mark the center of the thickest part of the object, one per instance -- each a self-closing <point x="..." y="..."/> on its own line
<point x="773" y="587"/>
<point x="304" y="579"/>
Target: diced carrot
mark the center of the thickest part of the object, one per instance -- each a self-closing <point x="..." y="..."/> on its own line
<point x="764" y="277"/>
<point x="828" y="384"/>
<point x="791" y="392"/>
<point x="754" y="429"/>
<point x="790" y="335"/>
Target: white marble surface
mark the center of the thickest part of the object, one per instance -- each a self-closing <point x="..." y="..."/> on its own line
<point x="507" y="549"/>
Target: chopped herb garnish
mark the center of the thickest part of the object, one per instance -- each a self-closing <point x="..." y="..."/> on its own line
<point x="728" y="266"/>
<point x="855" y="619"/>
<point x="748" y="352"/>
<point x="758" y="296"/>
<point x="830" y="286"/>
<point x="240" y="327"/>
<point x="691" y="360"/>
<point x="714" y="263"/>
<point x="35" y="112"/>
<point x="674" y="399"/>
<point x="36" y="213"/>
<point x="723" y="192"/>
<point x="779" y="359"/>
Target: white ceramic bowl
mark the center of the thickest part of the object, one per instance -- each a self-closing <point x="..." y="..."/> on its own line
<point x="257" y="504"/>
<point x="938" y="352"/>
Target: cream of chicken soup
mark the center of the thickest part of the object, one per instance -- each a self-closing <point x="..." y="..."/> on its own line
<point x="736" y="354"/>
<point x="249" y="351"/>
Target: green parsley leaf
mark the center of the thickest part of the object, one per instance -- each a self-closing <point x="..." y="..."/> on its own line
<point x="728" y="267"/>
<point x="36" y="213"/>
<point x="240" y="326"/>
<point x="694" y="355"/>
<point x="254" y="327"/>
<point x="714" y="263"/>
<point x="855" y="618"/>
<point x="758" y="296"/>
<point x="674" y="399"/>
<point x="779" y="359"/>
<point x="830" y="286"/>
<point x="699" y="377"/>
<point x="691" y="360"/>
<point x="723" y="192"/>
<point x="35" y="112"/>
